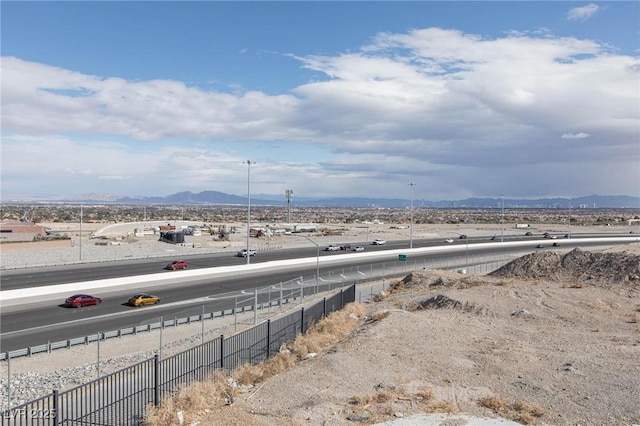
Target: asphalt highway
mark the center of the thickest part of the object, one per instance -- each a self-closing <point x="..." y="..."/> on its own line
<point x="42" y="322"/>
<point x="44" y="276"/>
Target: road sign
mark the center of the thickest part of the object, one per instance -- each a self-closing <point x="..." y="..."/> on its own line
<point x="402" y="257"/>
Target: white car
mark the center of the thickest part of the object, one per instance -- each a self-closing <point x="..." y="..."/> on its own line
<point x="243" y="253"/>
<point x="332" y="248"/>
<point x="448" y="240"/>
<point x="379" y="242"/>
<point x="357" y="248"/>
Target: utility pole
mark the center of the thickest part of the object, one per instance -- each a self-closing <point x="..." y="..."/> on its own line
<point x="80" y="239"/>
<point x="288" y="194"/>
<point x="248" y="252"/>
<point x="502" y="220"/>
<point x="411" y="224"/>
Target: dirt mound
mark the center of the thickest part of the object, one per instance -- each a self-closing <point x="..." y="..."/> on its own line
<point x="610" y="268"/>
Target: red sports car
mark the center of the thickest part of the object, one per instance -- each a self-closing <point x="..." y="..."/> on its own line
<point x="81" y="300"/>
<point x="176" y="264"/>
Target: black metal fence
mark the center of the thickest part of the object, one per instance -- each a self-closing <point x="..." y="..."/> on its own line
<point x="120" y="398"/>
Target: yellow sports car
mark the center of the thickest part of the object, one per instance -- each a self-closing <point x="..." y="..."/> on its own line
<point x="143" y="299"/>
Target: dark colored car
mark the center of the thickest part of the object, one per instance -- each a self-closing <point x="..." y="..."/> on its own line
<point x="463" y="237"/>
<point x="528" y="234"/>
<point x="556" y="245"/>
<point x="143" y="299"/>
<point x="176" y="264"/>
<point x="81" y="300"/>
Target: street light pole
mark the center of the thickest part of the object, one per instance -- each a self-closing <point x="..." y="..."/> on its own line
<point x="411" y="224"/>
<point x="288" y="194"/>
<point x="80" y="239"/>
<point x="502" y="220"/>
<point x="248" y="252"/>
<point x="569" y="230"/>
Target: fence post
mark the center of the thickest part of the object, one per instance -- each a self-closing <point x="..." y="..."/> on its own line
<point x="302" y="330"/>
<point x="301" y="289"/>
<point x="161" y="328"/>
<point x="156" y="379"/>
<point x="98" y="360"/>
<point x="222" y="351"/>
<point x="8" y="381"/>
<point x="324" y="306"/>
<point x="268" y="338"/>
<point x="255" y="306"/>
<point x="56" y="408"/>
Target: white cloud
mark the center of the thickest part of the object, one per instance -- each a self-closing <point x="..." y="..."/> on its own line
<point x="583" y="13"/>
<point x="580" y="135"/>
<point x="467" y="114"/>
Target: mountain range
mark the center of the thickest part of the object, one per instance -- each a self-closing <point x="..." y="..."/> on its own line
<point x="221" y="198"/>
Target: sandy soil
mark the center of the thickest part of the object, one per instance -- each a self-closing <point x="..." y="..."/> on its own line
<point x="561" y="352"/>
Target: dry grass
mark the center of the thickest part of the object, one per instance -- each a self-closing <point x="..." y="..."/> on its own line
<point x="519" y="411"/>
<point x="191" y="401"/>
<point x="378" y="397"/>
<point x="331" y="329"/>
<point x="382" y="404"/>
<point x="442" y="407"/>
<point x="198" y="399"/>
<point x="425" y="395"/>
<point x="574" y="285"/>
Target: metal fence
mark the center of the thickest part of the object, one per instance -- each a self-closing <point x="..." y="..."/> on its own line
<point x="120" y="398"/>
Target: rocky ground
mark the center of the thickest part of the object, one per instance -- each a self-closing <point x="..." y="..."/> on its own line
<point x="549" y="339"/>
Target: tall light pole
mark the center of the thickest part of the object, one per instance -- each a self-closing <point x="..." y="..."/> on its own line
<point x="248" y="163"/>
<point x="288" y="194"/>
<point x="80" y="239"/>
<point x="411" y="224"/>
<point x="502" y="220"/>
<point x="569" y="230"/>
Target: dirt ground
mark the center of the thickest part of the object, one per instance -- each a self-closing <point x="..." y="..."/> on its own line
<point x="561" y="348"/>
<point x="564" y="351"/>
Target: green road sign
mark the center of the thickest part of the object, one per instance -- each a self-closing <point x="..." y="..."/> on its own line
<point x="402" y="257"/>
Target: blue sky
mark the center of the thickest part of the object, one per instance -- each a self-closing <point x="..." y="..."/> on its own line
<point x="329" y="99"/>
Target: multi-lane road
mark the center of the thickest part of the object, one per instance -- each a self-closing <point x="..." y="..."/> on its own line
<point x="37" y="323"/>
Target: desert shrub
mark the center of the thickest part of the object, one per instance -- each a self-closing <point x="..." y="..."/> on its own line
<point x="190" y="400"/>
<point x="519" y="411"/>
<point x="425" y="395"/>
<point x="380" y="315"/>
<point x="248" y="374"/>
<point x="330" y="329"/>
<point x="494" y="403"/>
<point x="443" y="407"/>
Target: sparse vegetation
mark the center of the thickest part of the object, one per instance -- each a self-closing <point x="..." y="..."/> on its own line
<point x="219" y="390"/>
<point x="518" y="410"/>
